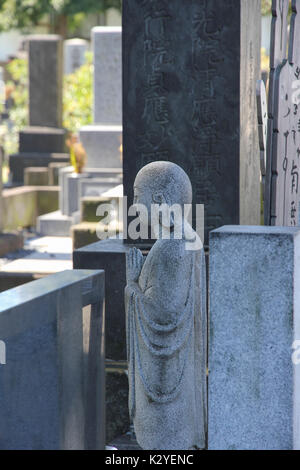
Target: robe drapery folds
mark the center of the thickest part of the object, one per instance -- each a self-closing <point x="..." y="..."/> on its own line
<point x="166" y="348"/>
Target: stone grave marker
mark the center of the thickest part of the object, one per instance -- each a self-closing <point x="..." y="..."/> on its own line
<point x="254" y="316"/>
<point x="189" y="97"/>
<point x="45" y="80"/>
<point x="43" y="141"/>
<point x="74" y="54"/>
<point x="102" y="139"/>
<point x="53" y="385"/>
<point x="283" y="147"/>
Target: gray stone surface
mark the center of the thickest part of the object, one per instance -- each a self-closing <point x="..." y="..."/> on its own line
<point x="44" y="137"/>
<point x="253" y="386"/>
<point x="76" y="185"/>
<point x="56" y="224"/>
<point x="102" y="144"/>
<point x="107" y="49"/>
<point x="52" y="386"/>
<point x="110" y="256"/>
<point x="74" y="54"/>
<point x="42" y="140"/>
<point x="278" y="51"/>
<point x="102" y="140"/>
<point x="285" y="126"/>
<point x="53" y="169"/>
<point x="165" y="302"/>
<point x="189" y="74"/>
<point x="96" y="186"/>
<point x="36" y="176"/>
<point x="117" y="416"/>
<point x="19" y="161"/>
<point x="71" y="192"/>
<point x="45" y="80"/>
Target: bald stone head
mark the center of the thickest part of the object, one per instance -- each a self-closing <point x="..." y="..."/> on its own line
<point x="162" y="183"/>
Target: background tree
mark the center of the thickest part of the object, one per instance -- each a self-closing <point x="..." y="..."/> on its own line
<point x="23" y="14"/>
<point x="266" y="7"/>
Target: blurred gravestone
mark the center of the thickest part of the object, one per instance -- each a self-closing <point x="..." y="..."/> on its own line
<point x="283" y="146"/>
<point x="189" y="73"/>
<point x="44" y="140"/>
<point x="102" y="140"/>
<point x="45" y="80"/>
<point x="74" y="54"/>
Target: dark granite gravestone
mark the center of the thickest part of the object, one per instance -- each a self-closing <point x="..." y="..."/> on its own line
<point x="44" y="140"/>
<point x="45" y="80"/>
<point x="282" y="195"/>
<point x="189" y="75"/>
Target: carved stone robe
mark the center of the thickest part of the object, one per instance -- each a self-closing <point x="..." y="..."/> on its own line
<point x="166" y="347"/>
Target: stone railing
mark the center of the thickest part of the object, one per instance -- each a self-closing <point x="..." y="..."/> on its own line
<point x="52" y="369"/>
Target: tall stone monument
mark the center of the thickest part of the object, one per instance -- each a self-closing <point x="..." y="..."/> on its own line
<point x="103" y="139"/>
<point x="189" y="76"/>
<point x="283" y="144"/>
<point x="74" y="54"/>
<point x="44" y="140"/>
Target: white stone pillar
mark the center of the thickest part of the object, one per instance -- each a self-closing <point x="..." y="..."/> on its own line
<point x="102" y="140"/>
<point x="74" y="54"/>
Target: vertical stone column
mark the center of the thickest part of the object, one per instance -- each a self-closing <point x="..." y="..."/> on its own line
<point x="189" y="76"/>
<point x="45" y="80"/>
<point x="254" y="379"/>
<point x="74" y="54"/>
<point x="107" y="47"/>
<point x="102" y="140"/>
<point x="43" y="141"/>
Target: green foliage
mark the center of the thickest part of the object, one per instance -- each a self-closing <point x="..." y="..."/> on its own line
<point x="22" y="14"/>
<point x="265" y="60"/>
<point x="18" y="70"/>
<point x="78" y="95"/>
<point x="266" y="7"/>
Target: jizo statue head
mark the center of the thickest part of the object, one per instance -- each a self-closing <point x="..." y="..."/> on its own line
<point x="162" y="184"/>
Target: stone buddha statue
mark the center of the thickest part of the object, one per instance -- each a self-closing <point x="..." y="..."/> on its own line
<point x="165" y="301"/>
